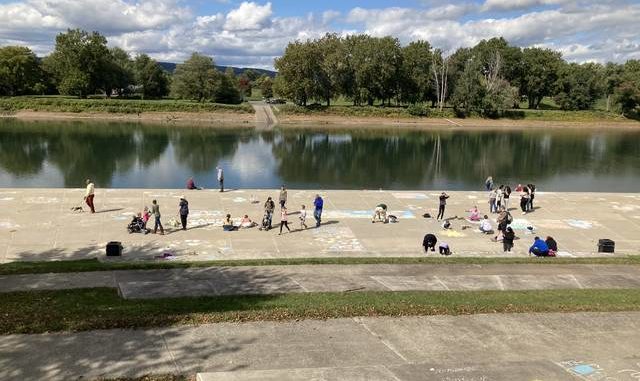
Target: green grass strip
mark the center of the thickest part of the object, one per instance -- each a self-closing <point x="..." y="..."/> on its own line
<point x="84" y="265"/>
<point x="102" y="308"/>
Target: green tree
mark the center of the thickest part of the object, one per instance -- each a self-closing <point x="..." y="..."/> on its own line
<point x="627" y="94"/>
<point x="227" y="90"/>
<point x="81" y="62"/>
<point x="266" y="86"/>
<point x="297" y="70"/>
<point x="469" y="89"/>
<point x="120" y="73"/>
<point x="417" y="76"/>
<point x="578" y="86"/>
<point x="151" y="79"/>
<point x="195" y="79"/>
<point x="540" y="68"/>
<point x="19" y="71"/>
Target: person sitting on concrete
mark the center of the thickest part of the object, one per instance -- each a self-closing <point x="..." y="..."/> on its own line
<point x="429" y="242"/>
<point x="191" y="185"/>
<point x="475" y="214"/>
<point x="446" y="225"/>
<point x="228" y="225"/>
<point x="485" y="225"/>
<point x="246" y="223"/>
<point x="507" y="239"/>
<point x="552" y="245"/>
<point x="444" y="249"/>
<point x="539" y="248"/>
<point x="380" y="213"/>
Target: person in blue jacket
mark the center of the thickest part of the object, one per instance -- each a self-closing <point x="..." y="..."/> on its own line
<point x="317" y="213"/>
<point x="539" y="248"/>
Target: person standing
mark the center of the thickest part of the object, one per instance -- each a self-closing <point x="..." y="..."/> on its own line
<point x="505" y="197"/>
<point x="220" y="178"/>
<point x="318" y="203"/>
<point x="499" y="198"/>
<point x="488" y="183"/>
<point x="283" y="196"/>
<point x="89" y="195"/>
<point x="303" y="218"/>
<point x="532" y="194"/>
<point x="269" y="207"/>
<point x="507" y="239"/>
<point x="492" y="200"/>
<point x="524" y="200"/>
<point x="155" y="210"/>
<point x="184" y="212"/>
<point x="443" y="203"/>
<point x="284" y="220"/>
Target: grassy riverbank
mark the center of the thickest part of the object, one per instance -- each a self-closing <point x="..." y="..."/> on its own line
<point x="102" y="308"/>
<point x="290" y="110"/>
<point x="87" y="265"/>
<point x="114" y="106"/>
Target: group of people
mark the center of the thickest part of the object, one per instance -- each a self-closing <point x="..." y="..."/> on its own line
<point x="139" y="222"/>
<point x="270" y="206"/>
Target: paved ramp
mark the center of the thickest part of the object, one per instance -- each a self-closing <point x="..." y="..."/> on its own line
<point x="265" y="118"/>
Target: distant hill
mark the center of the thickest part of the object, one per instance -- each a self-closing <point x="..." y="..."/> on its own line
<point x="171" y="67"/>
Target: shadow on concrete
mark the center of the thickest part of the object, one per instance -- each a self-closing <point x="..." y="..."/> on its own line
<point x="109" y="210"/>
<point x="109" y="353"/>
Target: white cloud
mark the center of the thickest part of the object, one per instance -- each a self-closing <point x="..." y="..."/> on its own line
<point x="252" y="34"/>
<point x="249" y="16"/>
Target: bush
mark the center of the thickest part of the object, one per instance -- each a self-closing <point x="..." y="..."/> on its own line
<point x="418" y="110"/>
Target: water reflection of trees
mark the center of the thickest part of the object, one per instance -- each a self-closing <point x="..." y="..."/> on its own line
<point x="78" y="150"/>
<point x="202" y="148"/>
<point x="414" y="159"/>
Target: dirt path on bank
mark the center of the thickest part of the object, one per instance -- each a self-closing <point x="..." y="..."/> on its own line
<point x="333" y="121"/>
<point x="322" y="121"/>
<point x="146" y="117"/>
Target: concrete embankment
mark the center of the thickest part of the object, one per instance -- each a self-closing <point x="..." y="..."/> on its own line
<point x="40" y="225"/>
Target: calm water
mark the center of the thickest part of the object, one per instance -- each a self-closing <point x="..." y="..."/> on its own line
<point x="46" y="154"/>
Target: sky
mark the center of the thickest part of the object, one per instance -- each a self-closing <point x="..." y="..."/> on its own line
<point x="253" y="33"/>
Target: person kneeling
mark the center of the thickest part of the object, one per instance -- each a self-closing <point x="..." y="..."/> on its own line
<point x="539" y="248"/>
<point x="429" y="242"/>
<point x="444" y="249"/>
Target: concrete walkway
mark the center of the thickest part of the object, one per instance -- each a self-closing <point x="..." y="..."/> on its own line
<point x="265" y="118"/>
<point x="545" y="347"/>
<point x="39" y="225"/>
<point x="333" y="278"/>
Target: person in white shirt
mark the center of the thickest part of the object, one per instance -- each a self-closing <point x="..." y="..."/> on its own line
<point x="89" y="194"/>
<point x="220" y="178"/>
<point x="485" y="225"/>
<point x="303" y="218"/>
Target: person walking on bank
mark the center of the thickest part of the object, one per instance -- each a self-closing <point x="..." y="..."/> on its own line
<point x="155" y="210"/>
<point x="303" y="218"/>
<point x="443" y="204"/>
<point x="284" y="220"/>
<point x="318" y="203"/>
<point x="89" y="194"/>
<point x="283" y="196"/>
<point x="184" y="212"/>
<point x="220" y="178"/>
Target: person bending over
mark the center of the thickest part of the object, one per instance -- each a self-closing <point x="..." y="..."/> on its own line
<point x="539" y="248"/>
<point x="429" y="242"/>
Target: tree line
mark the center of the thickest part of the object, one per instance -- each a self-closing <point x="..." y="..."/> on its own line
<point x="82" y="65"/>
<point x="488" y="78"/>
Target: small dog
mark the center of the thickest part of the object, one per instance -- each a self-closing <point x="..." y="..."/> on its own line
<point x="77" y="209"/>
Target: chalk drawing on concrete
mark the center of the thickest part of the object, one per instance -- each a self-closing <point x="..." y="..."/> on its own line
<point x="453" y="233"/>
<point x="626" y="207"/>
<point x="7" y="199"/>
<point x="239" y="199"/>
<point x="337" y="239"/>
<point x="410" y="196"/>
<point x="470" y="197"/>
<point x="564" y="254"/>
<point x="580" y="224"/>
<point x="206" y="219"/>
<point x="414" y="207"/>
<point x="8" y="225"/>
<point x="521" y="224"/>
<point x="41" y="200"/>
<point x="162" y="194"/>
<point x="552" y="224"/>
<point x="347" y="213"/>
<point x="584" y="370"/>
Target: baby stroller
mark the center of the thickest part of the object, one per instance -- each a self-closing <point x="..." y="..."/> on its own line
<point x="266" y="221"/>
<point x="136" y="226"/>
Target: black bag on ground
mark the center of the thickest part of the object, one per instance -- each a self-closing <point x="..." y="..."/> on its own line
<point x="606" y="246"/>
<point x="114" y="249"/>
